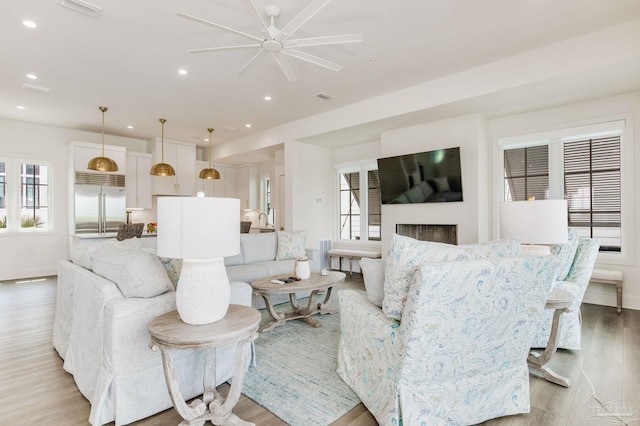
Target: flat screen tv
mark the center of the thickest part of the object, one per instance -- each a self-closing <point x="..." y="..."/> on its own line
<point x="424" y="177"/>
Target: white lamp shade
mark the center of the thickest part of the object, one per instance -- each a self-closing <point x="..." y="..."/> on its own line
<point x="198" y="228"/>
<point x="535" y="222"/>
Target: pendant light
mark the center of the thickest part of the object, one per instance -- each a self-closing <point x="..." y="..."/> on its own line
<point x="102" y="164"/>
<point x="209" y="173"/>
<point x="162" y="169"/>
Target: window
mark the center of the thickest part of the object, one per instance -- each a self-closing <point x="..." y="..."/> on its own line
<point x="24" y="196"/>
<point x="360" y="213"/>
<point x="584" y="170"/>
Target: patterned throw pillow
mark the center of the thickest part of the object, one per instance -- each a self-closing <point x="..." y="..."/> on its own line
<point x="173" y="268"/>
<point x="291" y="245"/>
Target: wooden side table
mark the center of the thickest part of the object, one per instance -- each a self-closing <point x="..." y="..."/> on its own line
<point x="239" y="326"/>
<point x="560" y="300"/>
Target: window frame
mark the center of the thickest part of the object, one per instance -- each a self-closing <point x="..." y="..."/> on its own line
<point x="13" y="188"/>
<point x="555" y="138"/>
<point x="363" y="168"/>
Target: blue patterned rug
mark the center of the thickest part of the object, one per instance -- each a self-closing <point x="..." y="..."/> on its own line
<point x="295" y="377"/>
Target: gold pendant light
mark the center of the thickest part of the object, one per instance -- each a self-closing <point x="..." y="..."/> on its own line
<point x="162" y="169"/>
<point x="209" y="173"/>
<point x="102" y="164"/>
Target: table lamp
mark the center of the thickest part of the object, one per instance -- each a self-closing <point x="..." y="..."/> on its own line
<point x="536" y="224"/>
<point x="200" y="231"/>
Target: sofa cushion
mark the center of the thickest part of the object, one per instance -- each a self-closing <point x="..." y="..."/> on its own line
<point x="81" y="252"/>
<point x="565" y="254"/>
<point x="373" y="274"/>
<point x="279" y="267"/>
<point x="247" y="273"/>
<point x="291" y="244"/>
<point x="136" y="273"/>
<point x="238" y="259"/>
<point x="407" y="254"/>
<point x="258" y="247"/>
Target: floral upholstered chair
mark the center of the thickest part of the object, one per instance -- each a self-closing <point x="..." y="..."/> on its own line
<point x="576" y="259"/>
<point x="450" y="343"/>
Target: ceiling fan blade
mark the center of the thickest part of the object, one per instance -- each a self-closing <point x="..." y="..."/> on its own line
<point x="253" y="10"/>
<point x="213" y="49"/>
<point x="251" y="61"/>
<point x="284" y="66"/>
<point x="222" y="27"/>
<point x="300" y="19"/>
<point x="318" y="41"/>
<point x="312" y="59"/>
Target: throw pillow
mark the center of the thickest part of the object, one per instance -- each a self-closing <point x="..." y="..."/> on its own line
<point x="566" y="253"/>
<point x="173" y="268"/>
<point x="373" y="274"/>
<point x="136" y="273"/>
<point x="291" y="245"/>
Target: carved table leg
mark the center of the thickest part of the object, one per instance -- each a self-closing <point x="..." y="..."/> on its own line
<point x="537" y="362"/>
<point x="279" y="319"/>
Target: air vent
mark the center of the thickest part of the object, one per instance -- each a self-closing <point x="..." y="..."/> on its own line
<point x="82" y="7"/>
<point x="36" y="88"/>
<point x="324" y="96"/>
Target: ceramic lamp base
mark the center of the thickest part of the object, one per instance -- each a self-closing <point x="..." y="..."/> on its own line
<point x="203" y="292"/>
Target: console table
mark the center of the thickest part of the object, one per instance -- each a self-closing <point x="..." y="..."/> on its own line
<point x="560" y="301"/>
<point x="240" y="327"/>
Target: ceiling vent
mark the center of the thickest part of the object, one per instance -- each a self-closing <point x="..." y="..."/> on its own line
<point x="324" y="96"/>
<point x="36" y="88"/>
<point x="82" y="7"/>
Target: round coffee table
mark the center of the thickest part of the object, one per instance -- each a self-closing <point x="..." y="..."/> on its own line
<point x="316" y="283"/>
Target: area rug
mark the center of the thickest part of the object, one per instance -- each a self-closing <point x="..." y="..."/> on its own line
<point x="295" y="377"/>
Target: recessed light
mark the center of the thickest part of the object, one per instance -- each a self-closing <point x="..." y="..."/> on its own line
<point x="247" y="125"/>
<point x="182" y="72"/>
<point x="29" y="24"/>
<point x="129" y="126"/>
<point x="32" y="76"/>
<point x="206" y="139"/>
<point x="20" y="107"/>
<point x="267" y="98"/>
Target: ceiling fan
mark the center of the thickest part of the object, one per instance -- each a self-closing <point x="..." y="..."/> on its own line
<point x="278" y="42"/>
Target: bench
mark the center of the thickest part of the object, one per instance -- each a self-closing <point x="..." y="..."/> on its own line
<point x="351" y="254"/>
<point x="607" y="276"/>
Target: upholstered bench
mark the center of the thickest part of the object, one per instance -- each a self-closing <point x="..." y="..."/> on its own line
<point x="607" y="276"/>
<point x="351" y="254"/>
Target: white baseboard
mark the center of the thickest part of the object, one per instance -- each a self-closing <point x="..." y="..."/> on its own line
<point x="23" y="274"/>
<point x="605" y="295"/>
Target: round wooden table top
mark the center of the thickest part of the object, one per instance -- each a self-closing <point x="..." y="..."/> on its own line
<point x="314" y="282"/>
<point x="169" y="331"/>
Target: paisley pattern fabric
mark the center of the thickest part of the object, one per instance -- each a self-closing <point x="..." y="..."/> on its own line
<point x="575" y="283"/>
<point x="406" y="254"/>
<point x="459" y="354"/>
<point x="291" y="245"/>
<point x="565" y="253"/>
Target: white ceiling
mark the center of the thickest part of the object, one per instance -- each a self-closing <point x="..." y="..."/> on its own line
<point x="128" y="59"/>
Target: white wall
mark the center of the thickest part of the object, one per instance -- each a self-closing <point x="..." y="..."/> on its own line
<point x="309" y="191"/>
<point x="37" y="254"/>
<point x="467" y="132"/>
<point x="580" y="114"/>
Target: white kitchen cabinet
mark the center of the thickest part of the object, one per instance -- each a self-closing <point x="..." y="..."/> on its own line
<point x="82" y="152"/>
<point x="180" y="155"/>
<point x="138" y="181"/>
<point x="210" y="187"/>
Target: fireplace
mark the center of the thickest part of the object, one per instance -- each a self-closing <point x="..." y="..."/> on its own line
<point x="436" y="233"/>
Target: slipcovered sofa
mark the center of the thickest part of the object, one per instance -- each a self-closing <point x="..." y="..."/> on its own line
<point x="107" y="294"/>
<point x="445" y="339"/>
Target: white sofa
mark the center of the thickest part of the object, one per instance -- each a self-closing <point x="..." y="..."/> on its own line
<point x="106" y="296"/>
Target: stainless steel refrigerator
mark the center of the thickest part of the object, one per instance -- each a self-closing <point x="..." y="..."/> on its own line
<point x="99" y="202"/>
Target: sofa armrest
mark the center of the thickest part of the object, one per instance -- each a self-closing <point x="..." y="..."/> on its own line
<point x="240" y="293"/>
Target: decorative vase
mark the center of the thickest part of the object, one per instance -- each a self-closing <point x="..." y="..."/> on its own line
<point x="203" y="292"/>
<point x="302" y="268"/>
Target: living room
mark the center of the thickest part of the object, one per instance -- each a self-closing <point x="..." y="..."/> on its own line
<point x="574" y="80"/>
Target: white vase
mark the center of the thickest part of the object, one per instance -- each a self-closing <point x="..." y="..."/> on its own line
<point x="302" y="269"/>
<point x="203" y="292"/>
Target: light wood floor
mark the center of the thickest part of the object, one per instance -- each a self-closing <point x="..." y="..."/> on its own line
<point x="35" y="390"/>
